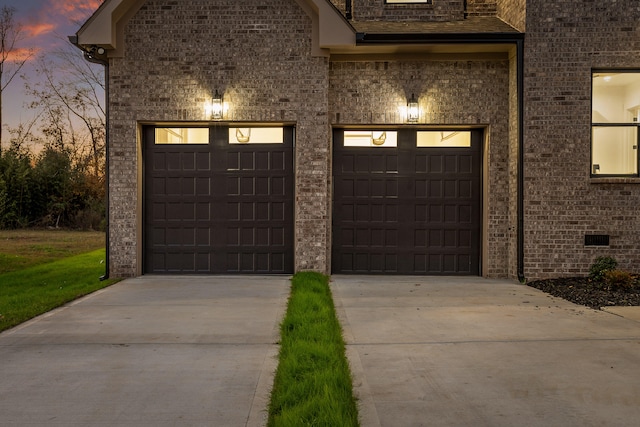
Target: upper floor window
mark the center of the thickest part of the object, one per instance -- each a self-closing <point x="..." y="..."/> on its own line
<point x="615" y="118"/>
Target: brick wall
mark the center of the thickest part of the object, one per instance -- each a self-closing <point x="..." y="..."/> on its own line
<point x="439" y="10"/>
<point x="259" y="55"/>
<point x="465" y="92"/>
<point x="564" y="40"/>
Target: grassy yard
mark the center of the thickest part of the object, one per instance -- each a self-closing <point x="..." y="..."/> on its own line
<point x="312" y="386"/>
<point x="41" y="270"/>
<point x="20" y="249"/>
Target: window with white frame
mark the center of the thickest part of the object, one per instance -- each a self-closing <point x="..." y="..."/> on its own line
<point x="615" y="118"/>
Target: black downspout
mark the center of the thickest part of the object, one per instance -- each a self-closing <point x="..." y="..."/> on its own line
<point x="91" y="56"/>
<point x="348" y="10"/>
<point x="106" y="170"/>
<point x="520" y="209"/>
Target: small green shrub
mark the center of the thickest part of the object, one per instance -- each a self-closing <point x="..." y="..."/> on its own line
<point x="619" y="280"/>
<point x="601" y="265"/>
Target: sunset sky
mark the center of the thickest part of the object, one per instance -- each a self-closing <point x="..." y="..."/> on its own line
<point x="45" y="27"/>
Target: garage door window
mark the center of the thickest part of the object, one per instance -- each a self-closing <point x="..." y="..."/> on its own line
<point x="256" y="135"/>
<point x="370" y="138"/>
<point x="182" y="136"/>
<point x="442" y="139"/>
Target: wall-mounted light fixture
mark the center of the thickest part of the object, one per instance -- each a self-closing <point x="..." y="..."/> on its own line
<point x="215" y="108"/>
<point x="413" y="110"/>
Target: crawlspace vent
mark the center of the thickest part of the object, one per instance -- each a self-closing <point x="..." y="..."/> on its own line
<point x="596" y="240"/>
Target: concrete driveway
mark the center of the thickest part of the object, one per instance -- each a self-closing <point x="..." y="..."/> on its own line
<point x="429" y="351"/>
<point x="425" y="351"/>
<point x="151" y="351"/>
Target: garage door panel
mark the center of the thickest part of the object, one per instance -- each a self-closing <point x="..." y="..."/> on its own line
<point x="465" y="164"/>
<point x="174" y="161"/>
<point x="233" y="161"/>
<point x="279" y="237"/>
<point x="203" y="211"/>
<point x="278" y="162"/>
<point x="347" y="237"/>
<point x="465" y="188"/>
<point x="247" y="161"/>
<point x="158" y="211"/>
<point x="410" y="210"/>
<point x="345" y="164"/>
<point x="263" y="210"/>
<point x="450" y="187"/>
<point x="218" y="207"/>
<point x="180" y="262"/>
<point x="421" y="188"/>
<point x="180" y="236"/>
<point x="159" y="186"/>
<point x="436" y="164"/>
<point x="443" y="263"/>
<point x="256" y="262"/>
<point x="450" y="164"/>
<point x="188" y="161"/>
<point x="278" y="211"/>
<point x="203" y="186"/>
<point x="203" y="162"/>
<point x="203" y="236"/>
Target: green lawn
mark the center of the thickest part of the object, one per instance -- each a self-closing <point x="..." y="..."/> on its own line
<point x="44" y="269"/>
<point x="20" y="249"/>
<point x="312" y="386"/>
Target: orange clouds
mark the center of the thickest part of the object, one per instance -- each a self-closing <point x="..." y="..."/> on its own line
<point x="76" y="9"/>
<point x="44" y="26"/>
<point x="36" y="29"/>
<point x="21" y="54"/>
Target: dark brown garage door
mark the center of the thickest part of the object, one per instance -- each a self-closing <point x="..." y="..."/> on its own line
<point x="214" y="205"/>
<point x="407" y="202"/>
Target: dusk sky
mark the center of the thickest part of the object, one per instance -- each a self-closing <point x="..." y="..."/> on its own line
<point x="45" y="27"/>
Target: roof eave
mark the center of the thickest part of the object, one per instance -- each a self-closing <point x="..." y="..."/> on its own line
<point x="437" y="38"/>
<point x="104" y="27"/>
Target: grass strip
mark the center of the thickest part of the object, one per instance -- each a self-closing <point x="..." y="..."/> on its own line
<point x="312" y="385"/>
<point x="30" y="292"/>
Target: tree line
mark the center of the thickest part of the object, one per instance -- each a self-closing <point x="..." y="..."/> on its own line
<point x="52" y="171"/>
<point x="52" y="188"/>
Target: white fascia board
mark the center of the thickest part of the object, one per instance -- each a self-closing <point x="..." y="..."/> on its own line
<point x="101" y="28"/>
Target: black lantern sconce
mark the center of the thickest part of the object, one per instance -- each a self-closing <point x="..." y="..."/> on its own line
<point x="215" y="109"/>
<point x="413" y="110"/>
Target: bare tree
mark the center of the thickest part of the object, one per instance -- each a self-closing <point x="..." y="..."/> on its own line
<point x="71" y="101"/>
<point x="12" y="59"/>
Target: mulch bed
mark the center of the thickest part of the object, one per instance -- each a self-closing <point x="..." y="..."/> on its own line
<point x="581" y="290"/>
